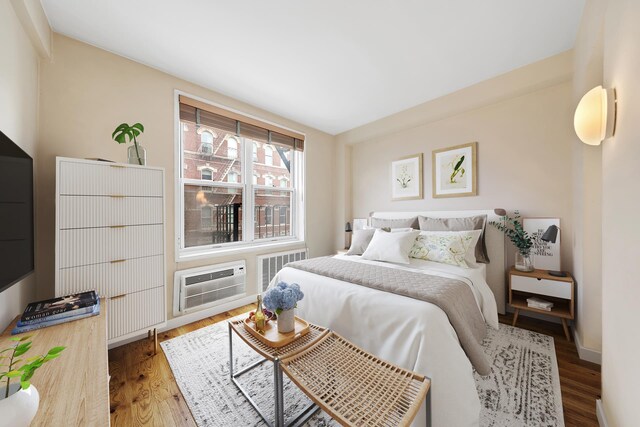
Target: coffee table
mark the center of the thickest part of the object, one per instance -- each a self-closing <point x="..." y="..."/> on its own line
<point x="274" y="355"/>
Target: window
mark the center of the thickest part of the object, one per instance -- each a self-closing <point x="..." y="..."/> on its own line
<point x="206" y="142"/>
<point x="223" y="201"/>
<point x="206" y="174"/>
<point x="232" y="148"/>
<point x="268" y="155"/>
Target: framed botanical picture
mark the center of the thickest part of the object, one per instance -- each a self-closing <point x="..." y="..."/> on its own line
<point x="455" y="171"/>
<point x="406" y="178"/>
<point x="546" y="255"/>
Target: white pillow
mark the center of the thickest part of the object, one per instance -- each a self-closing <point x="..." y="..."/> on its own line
<point x="391" y="247"/>
<point x="390" y="230"/>
<point x="447" y="247"/>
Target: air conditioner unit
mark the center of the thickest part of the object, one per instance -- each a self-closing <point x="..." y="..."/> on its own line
<point x="199" y="288"/>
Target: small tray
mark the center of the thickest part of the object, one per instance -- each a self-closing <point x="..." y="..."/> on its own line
<point x="272" y="337"/>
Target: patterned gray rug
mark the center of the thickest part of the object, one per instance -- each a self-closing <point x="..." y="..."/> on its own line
<point x="523" y="388"/>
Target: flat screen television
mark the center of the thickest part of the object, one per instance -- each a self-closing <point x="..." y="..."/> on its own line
<point x="16" y="213"/>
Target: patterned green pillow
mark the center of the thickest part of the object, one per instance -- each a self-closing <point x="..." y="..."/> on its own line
<point x="447" y="247"/>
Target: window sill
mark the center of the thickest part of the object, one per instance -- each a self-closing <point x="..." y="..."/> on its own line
<point x="254" y="248"/>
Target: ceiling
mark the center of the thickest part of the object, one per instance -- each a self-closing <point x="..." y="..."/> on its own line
<point x="333" y="65"/>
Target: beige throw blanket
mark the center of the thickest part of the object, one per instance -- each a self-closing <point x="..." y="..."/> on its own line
<point x="452" y="296"/>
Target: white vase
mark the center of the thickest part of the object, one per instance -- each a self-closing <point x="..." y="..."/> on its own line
<point x="286" y="321"/>
<point x="20" y="407"/>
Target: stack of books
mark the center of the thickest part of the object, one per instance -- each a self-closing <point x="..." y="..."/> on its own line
<point x="539" y="303"/>
<point x="42" y="314"/>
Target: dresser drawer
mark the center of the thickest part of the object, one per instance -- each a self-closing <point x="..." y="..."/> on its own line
<point x="113" y="278"/>
<point x="104" y="211"/>
<point x="104" y="179"/>
<point x="135" y="311"/>
<point x="78" y="247"/>
<point x="552" y="288"/>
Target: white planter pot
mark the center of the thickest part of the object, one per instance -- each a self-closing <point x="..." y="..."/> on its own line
<point x="20" y="407"/>
<point x="286" y="321"/>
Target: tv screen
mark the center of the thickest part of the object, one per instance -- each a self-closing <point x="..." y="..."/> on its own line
<point x="16" y="213"/>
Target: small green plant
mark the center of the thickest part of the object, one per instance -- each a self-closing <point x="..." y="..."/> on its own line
<point x="18" y="367"/>
<point x="124" y="132"/>
<point x="512" y="228"/>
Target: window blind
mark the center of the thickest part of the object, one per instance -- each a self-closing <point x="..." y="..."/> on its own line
<point x="204" y="114"/>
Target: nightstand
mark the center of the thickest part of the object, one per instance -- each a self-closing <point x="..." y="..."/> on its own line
<point x="558" y="290"/>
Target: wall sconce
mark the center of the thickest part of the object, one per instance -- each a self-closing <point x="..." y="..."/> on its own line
<point x="595" y="117"/>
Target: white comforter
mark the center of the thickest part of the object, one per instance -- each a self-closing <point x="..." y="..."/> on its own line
<point x="411" y="333"/>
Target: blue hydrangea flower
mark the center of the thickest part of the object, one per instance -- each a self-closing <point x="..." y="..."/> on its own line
<point x="282" y="296"/>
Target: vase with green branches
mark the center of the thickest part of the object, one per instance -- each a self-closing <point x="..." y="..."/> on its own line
<point x="512" y="227"/>
<point x="124" y="134"/>
<point x="19" y="400"/>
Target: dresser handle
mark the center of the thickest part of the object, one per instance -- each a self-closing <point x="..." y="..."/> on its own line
<point x="118" y="296"/>
<point x="117" y="226"/>
<point x="117" y="196"/>
<point x="118" y="166"/>
<point x="117" y="261"/>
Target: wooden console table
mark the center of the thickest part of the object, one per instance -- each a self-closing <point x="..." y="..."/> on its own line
<point x="74" y="389"/>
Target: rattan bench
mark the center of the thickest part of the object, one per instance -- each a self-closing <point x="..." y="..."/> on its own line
<point x="355" y="387"/>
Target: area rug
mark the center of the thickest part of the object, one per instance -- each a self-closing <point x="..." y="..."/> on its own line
<point x="523" y="388"/>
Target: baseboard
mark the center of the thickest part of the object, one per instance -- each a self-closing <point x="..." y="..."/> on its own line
<point x="602" y="419"/>
<point x="585" y="353"/>
<point x="190" y="318"/>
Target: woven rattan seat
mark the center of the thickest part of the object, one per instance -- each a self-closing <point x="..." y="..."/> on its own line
<point x="355" y="387"/>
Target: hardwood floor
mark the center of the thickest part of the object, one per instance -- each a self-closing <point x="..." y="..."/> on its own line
<point x="144" y="392"/>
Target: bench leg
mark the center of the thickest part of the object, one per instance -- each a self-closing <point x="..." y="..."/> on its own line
<point x="428" y="404"/>
<point x="278" y="385"/>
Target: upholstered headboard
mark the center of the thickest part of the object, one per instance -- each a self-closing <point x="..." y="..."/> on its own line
<point x="496" y="269"/>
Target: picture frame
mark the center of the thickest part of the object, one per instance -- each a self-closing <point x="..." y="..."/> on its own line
<point x="546" y="255"/>
<point x="406" y="178"/>
<point x="455" y="171"/>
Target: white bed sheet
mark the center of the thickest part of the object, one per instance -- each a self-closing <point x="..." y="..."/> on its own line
<point x="411" y="333"/>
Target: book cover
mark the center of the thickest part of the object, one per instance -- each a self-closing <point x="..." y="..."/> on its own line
<point x="50" y="307"/>
<point x="71" y="313"/>
<point x="21" y="329"/>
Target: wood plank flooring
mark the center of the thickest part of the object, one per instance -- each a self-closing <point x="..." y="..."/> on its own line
<point x="143" y="390"/>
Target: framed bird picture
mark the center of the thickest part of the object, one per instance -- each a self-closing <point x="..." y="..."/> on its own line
<point x="454" y="171"/>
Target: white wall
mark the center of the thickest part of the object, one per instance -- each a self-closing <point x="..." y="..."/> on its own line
<point x="524" y="148"/>
<point x="620" y="226"/>
<point x="587" y="189"/>
<point x="19" y="121"/>
<point x="86" y="92"/>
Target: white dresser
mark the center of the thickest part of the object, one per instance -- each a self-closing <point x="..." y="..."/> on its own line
<point x="110" y="237"/>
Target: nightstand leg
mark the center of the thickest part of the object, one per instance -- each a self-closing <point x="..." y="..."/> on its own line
<point x="566" y="329"/>
<point x="515" y="316"/>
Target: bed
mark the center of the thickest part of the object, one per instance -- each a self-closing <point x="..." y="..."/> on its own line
<point x="412" y="333"/>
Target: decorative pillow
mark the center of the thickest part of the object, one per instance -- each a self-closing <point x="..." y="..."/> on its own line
<point x="447" y="247"/>
<point x="359" y="241"/>
<point x="478" y="222"/>
<point x="389" y="230"/>
<point x="395" y="223"/>
<point x="391" y="247"/>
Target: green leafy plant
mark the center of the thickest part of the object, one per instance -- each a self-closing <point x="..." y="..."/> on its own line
<point x="124" y="132"/>
<point x="12" y="359"/>
<point x="512" y="228"/>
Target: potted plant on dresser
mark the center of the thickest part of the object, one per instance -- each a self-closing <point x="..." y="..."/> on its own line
<point x="19" y="399"/>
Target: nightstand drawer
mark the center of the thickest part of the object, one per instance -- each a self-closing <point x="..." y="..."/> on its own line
<point x="552" y="288"/>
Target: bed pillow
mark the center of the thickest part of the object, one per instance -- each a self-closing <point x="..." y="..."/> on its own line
<point x="447" y="247"/>
<point x="360" y="240"/>
<point x="478" y="222"/>
<point x="391" y="247"/>
<point x="395" y="223"/>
